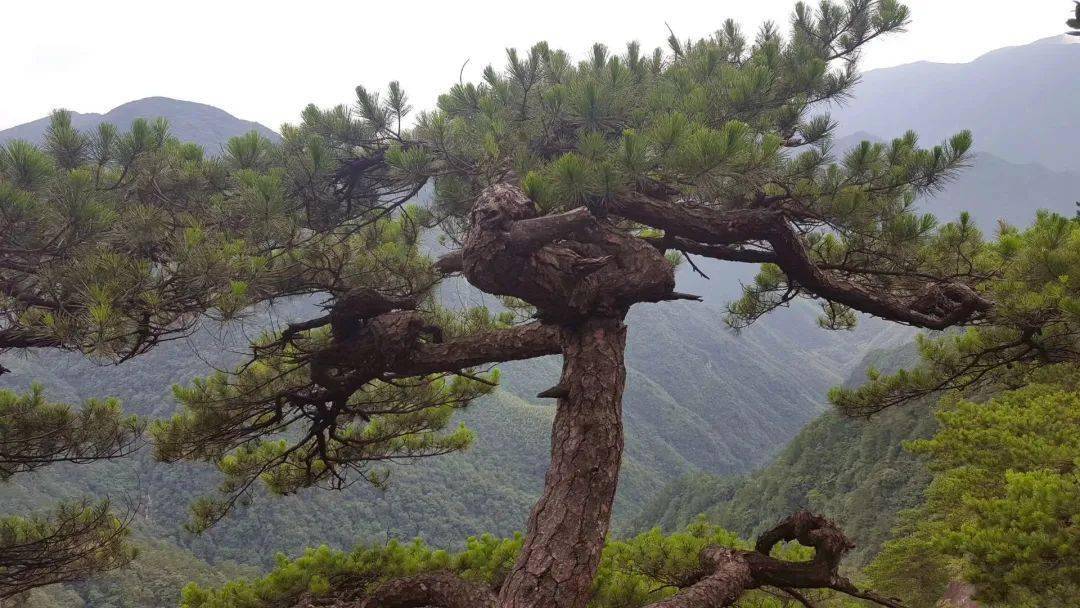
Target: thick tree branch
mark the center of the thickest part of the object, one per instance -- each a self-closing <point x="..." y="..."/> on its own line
<point x="527" y="235"/>
<point x="726" y="576"/>
<point x="422" y="358"/>
<point x="939" y="306"/>
<point x="599" y="271"/>
<point x="695" y="221"/>
<point x="531" y="234"/>
<point x="440" y="589"/>
<point x="516" y="343"/>
<point x="703" y="230"/>
<point x="727" y="253"/>
<point x="19" y="338"/>
<point x="450" y="263"/>
<point x="727" y="573"/>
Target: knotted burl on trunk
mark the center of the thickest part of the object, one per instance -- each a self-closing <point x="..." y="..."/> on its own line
<point x="570" y="266"/>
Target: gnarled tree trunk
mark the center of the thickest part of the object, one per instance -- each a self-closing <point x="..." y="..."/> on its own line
<point x="583" y="274"/>
<point x="567" y="526"/>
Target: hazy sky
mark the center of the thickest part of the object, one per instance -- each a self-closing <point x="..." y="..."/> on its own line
<point x="265" y="60"/>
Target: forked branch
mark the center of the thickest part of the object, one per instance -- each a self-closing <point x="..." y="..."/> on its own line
<point x="699" y="229"/>
<point x="727" y="573"/>
<point x="723" y="577"/>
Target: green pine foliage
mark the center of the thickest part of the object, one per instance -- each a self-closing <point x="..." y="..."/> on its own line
<point x="124" y="241"/>
<point x="117" y="238"/>
<point x="718" y="118"/>
<point x="111" y="245"/>
<point x="235" y="420"/>
<point x="633" y="572"/>
<point x="1028" y="274"/>
<point x="74" y="540"/>
<point x="1002" y="507"/>
<point x="35" y="433"/>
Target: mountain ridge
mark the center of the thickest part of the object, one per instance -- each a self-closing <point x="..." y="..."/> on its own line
<point x="190" y="121"/>
<point x="1014" y="99"/>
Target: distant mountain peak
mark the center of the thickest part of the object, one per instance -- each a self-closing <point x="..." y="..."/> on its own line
<point x="1017" y="101"/>
<point x="190" y="121"/>
<point x="1059" y="39"/>
<point x="158" y="101"/>
<point x="1042" y="45"/>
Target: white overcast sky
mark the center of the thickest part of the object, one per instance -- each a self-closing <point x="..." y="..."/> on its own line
<point x="266" y="60"/>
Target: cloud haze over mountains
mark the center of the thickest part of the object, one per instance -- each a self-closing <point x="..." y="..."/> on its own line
<point x="1020" y="102"/>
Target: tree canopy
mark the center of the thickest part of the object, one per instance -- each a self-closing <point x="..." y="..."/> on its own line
<point x="1027" y="273"/>
<point x="998" y="511"/>
<point x="708" y="150"/>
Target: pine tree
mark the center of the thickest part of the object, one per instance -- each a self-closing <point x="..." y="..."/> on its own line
<point x="569" y="189"/>
<point x="1074" y="23"/>
<point x="572" y="190"/>
<point x="109" y="244"/>
<point x="77" y="538"/>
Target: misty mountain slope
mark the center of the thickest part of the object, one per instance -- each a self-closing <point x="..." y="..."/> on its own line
<point x="855" y="471"/>
<point x="199" y="123"/>
<point x="1020" y="102"/>
<point x="727" y="396"/>
<point x="992" y="188"/>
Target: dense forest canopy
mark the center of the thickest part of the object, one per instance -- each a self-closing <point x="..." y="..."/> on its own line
<point x="570" y="190"/>
<point x="1000" y="507"/>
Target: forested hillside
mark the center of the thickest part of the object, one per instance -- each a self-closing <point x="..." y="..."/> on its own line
<point x="853" y="470"/>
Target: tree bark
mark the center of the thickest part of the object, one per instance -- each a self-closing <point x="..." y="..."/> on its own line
<point x="442" y="589"/>
<point x="729" y="577"/>
<point x="568" y="525"/>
